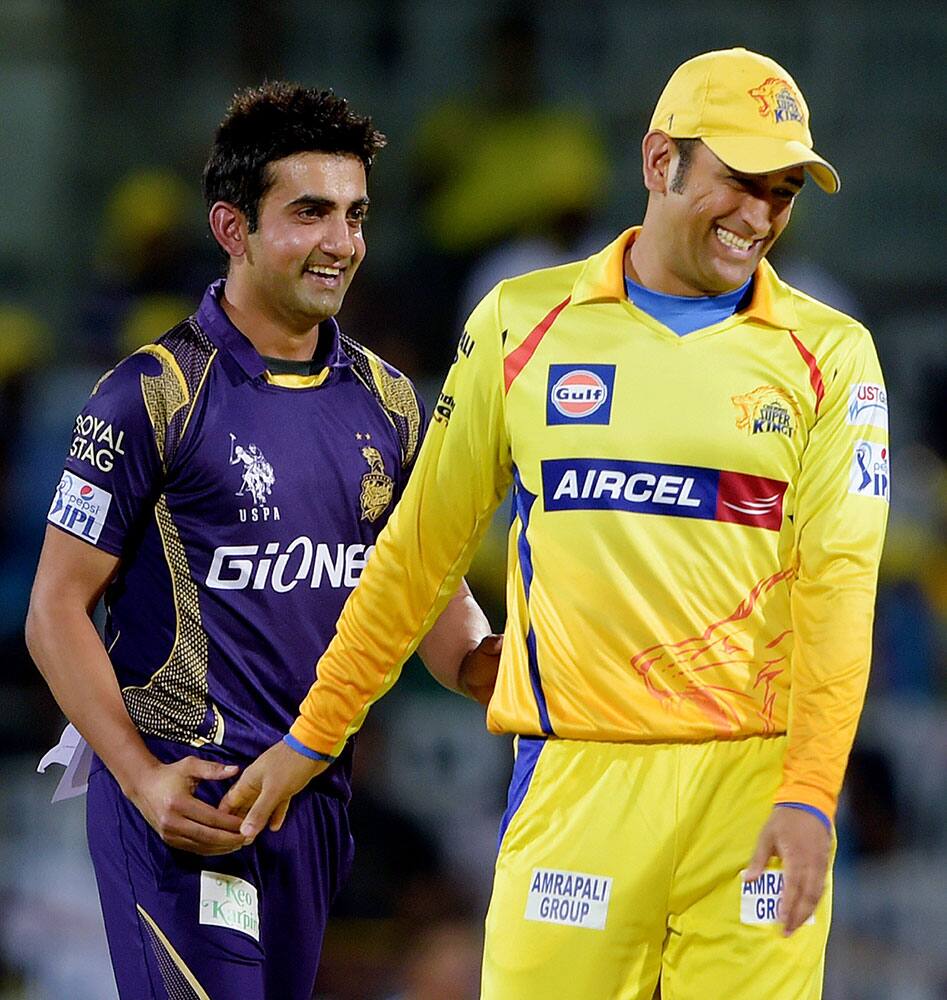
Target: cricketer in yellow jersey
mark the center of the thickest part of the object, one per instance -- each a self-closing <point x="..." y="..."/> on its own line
<point x="699" y="513"/>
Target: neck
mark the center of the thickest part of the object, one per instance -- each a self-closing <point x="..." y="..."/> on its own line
<point x="271" y="336"/>
<point x="645" y="265"/>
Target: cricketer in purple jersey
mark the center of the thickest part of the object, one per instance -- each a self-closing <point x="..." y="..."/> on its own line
<point x="236" y="504"/>
<point x="224" y="488"/>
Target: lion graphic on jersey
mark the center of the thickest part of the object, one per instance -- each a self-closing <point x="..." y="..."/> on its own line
<point x="699" y="672"/>
<point x="766" y="409"/>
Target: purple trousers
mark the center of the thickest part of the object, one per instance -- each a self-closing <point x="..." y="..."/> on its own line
<point x="241" y="926"/>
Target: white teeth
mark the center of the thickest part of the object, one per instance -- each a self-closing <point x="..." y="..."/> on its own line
<point x="326" y="272"/>
<point x="732" y="240"/>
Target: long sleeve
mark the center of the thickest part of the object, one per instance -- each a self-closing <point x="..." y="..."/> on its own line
<point x="462" y="473"/>
<point x="840" y="515"/>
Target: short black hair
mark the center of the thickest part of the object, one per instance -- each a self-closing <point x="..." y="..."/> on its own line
<point x="685" y="153"/>
<point x="270" y="122"/>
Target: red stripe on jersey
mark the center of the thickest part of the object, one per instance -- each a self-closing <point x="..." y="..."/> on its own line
<point x="815" y="375"/>
<point x="514" y="363"/>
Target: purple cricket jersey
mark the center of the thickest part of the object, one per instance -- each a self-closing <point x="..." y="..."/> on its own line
<point x="243" y="511"/>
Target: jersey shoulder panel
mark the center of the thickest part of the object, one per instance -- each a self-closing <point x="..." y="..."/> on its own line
<point x="819" y="318"/>
<point x="393" y="392"/>
<point x="538" y="286"/>
<point x="184" y="355"/>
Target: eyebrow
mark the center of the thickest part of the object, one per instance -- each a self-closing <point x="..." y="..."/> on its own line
<point x="318" y="201"/>
<point x="793" y="182"/>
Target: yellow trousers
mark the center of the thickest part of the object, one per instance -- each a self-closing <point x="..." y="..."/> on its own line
<point x="620" y="867"/>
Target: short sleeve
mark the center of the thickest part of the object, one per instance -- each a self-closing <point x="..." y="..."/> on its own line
<point x="113" y="472"/>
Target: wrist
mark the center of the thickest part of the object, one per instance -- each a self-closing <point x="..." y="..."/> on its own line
<point x="133" y="773"/>
<point x="303" y="750"/>
<point x="812" y="810"/>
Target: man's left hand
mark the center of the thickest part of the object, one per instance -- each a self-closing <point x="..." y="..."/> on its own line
<point x="803" y="843"/>
<point x="264" y="789"/>
<point x="478" y="670"/>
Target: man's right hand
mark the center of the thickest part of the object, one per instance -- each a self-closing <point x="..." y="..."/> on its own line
<point x="164" y="795"/>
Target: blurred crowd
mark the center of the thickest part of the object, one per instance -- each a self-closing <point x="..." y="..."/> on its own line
<point x="494" y="176"/>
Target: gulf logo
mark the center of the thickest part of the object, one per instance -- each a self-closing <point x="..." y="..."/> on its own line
<point x="580" y="394"/>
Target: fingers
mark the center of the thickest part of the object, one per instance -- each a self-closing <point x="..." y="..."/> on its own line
<point x="762" y="854"/>
<point x="209" y="816"/>
<point x="279" y="814"/>
<point x="192" y="825"/>
<point x="802" y="889"/>
<point x="478" y="669"/>
<point x="259" y="815"/>
<point x="492" y="644"/>
<point x="190" y="836"/>
<point x="207" y="770"/>
<point x="240" y="796"/>
<point x="803" y="844"/>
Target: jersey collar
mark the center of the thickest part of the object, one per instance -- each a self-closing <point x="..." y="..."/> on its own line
<point x="602" y="279"/>
<point x="216" y="324"/>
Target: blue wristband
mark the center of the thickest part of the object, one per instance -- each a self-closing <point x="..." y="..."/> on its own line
<point x="291" y="741"/>
<point x="805" y="807"/>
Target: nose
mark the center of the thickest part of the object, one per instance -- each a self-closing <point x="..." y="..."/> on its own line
<point x="757" y="211"/>
<point x="337" y="237"/>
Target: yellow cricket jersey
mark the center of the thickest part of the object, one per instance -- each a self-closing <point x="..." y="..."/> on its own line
<point x="697" y="523"/>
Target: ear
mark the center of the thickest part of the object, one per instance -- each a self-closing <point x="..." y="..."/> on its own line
<point x="657" y="153"/>
<point x="229" y="226"/>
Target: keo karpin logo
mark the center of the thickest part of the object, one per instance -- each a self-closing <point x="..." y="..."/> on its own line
<point x="580" y="394"/>
<point x="79" y="507"/>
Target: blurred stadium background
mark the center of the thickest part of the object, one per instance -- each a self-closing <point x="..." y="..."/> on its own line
<point x="514" y="142"/>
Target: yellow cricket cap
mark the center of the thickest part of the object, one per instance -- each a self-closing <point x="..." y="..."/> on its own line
<point x="748" y="111"/>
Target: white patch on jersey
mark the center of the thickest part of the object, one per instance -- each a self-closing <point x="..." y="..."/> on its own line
<point x="870" y="470"/>
<point x="228" y="901"/>
<point x="258" y="478"/>
<point x="79" y="507"/>
<point x="761" y="900"/>
<point x="868" y="405"/>
<point x="571" y="898"/>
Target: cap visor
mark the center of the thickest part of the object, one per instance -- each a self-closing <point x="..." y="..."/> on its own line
<point x="761" y="155"/>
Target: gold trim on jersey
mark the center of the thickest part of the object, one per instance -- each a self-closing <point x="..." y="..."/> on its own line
<point x="98" y="384"/>
<point x="289" y="381"/>
<point x="178" y="978"/>
<point x="164" y="393"/>
<point x="197" y="391"/>
<point x="174" y="702"/>
<point x="398" y="397"/>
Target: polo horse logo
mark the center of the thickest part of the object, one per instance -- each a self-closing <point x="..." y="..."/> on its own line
<point x="258" y="477"/>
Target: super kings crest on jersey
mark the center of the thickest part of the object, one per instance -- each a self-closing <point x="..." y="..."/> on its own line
<point x="378" y="487"/>
<point x="777" y="101"/>
<point x="766" y="410"/>
<point x="256" y="481"/>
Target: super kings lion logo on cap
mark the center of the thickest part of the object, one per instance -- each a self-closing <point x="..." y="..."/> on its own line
<point x="777" y="100"/>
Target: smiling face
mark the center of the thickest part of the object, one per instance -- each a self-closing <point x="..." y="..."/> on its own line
<point x="707" y="234"/>
<point x="308" y="243"/>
